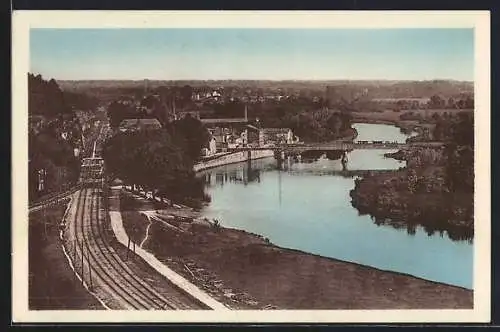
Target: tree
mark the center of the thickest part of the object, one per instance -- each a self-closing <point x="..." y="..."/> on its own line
<point x="451" y="103"/>
<point x="460" y="154"/>
<point x="118" y="111"/>
<point x="469" y="103"/>
<point x="191" y="134"/>
<point x="436" y="102"/>
<point x="45" y="97"/>
<point x="186" y="93"/>
<point x="154" y="160"/>
<point x="435" y="117"/>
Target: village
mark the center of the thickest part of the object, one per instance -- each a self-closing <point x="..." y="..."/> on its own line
<point x="225" y="134"/>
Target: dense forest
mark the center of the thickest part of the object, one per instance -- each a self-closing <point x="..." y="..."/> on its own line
<point x="160" y="160"/>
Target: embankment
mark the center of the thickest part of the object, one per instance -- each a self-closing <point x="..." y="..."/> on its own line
<point x="246" y="271"/>
<point x="231" y="158"/>
<point x="52" y="282"/>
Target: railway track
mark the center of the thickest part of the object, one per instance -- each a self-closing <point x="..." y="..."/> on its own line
<point x="109" y="276"/>
<point x="100" y="266"/>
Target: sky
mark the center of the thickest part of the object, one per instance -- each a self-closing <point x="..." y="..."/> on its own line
<point x="274" y="54"/>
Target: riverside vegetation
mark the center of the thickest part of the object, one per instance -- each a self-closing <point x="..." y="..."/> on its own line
<point x="435" y="189"/>
<point x="160" y="160"/>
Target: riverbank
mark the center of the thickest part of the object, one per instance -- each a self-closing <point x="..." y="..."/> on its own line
<point x="417" y="195"/>
<point x="386" y="197"/>
<point x="394" y="118"/>
<point x="231" y="158"/>
<point x="246" y="271"/>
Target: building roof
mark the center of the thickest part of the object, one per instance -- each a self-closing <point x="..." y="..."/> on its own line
<point x="228" y="120"/>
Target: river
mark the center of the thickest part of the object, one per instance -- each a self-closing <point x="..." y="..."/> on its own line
<point x="306" y="206"/>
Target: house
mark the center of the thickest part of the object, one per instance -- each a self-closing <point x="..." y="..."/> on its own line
<point x="139" y="124"/>
<point x="227" y="137"/>
<point x="276" y="136"/>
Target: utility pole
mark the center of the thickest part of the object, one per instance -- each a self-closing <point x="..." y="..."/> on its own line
<point x="44" y="219"/>
<point x="90" y="271"/>
<point x="128" y="248"/>
<point x="82" y="263"/>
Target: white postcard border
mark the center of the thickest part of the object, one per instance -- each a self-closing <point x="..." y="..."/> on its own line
<point x="24" y="20"/>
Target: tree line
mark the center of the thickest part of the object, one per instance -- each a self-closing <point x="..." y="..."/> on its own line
<point x="160" y="160"/>
<point x="45" y="97"/>
<point x="310" y="121"/>
<point x="458" y="133"/>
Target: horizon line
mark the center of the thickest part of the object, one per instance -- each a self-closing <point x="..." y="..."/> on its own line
<point x="259" y="79"/>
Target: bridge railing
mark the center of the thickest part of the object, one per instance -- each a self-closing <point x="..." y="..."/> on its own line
<point x="341" y="145"/>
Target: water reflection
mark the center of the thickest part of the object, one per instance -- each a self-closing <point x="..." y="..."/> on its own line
<point x="305" y="205"/>
<point x="243" y="175"/>
<point x="250" y="172"/>
<point x="454" y="233"/>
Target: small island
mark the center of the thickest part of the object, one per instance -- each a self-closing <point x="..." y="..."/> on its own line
<point x="436" y="187"/>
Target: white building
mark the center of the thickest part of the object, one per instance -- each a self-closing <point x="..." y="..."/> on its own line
<point x="277" y="136"/>
<point x="211" y="149"/>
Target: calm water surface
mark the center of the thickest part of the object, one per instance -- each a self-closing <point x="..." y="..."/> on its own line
<point x="306" y="206"/>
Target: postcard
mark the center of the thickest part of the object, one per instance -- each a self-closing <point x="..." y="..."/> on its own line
<point x="251" y="166"/>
